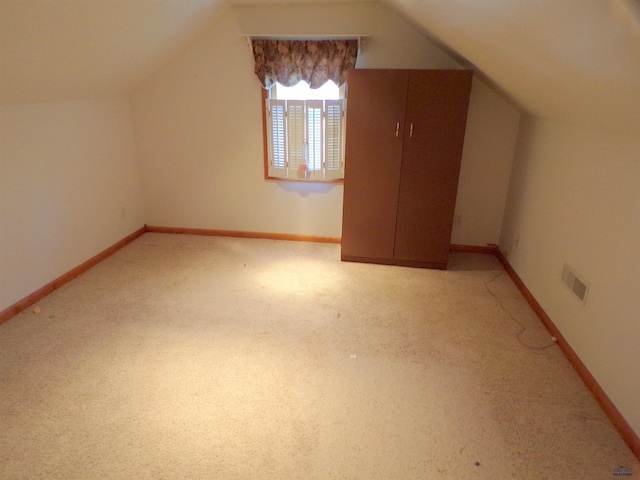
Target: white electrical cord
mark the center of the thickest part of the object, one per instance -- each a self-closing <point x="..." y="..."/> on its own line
<point x="554" y="340"/>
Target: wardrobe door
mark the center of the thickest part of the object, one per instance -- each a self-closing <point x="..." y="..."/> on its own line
<point x="437" y="104"/>
<point x="376" y="102"/>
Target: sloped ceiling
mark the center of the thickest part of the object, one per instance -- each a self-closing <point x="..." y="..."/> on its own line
<point x="576" y="61"/>
<point x="69" y="49"/>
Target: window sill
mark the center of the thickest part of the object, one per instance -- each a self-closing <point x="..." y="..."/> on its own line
<point x="302" y="180"/>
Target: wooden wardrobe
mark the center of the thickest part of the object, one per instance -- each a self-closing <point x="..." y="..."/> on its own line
<point x="404" y="137"/>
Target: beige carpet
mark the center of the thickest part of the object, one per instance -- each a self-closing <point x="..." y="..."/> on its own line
<point x="185" y="357"/>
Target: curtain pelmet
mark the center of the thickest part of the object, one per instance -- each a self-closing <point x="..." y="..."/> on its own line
<point x="314" y="61"/>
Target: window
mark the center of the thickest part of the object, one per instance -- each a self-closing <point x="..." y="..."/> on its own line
<point x="303" y="135"/>
<point x="304" y="132"/>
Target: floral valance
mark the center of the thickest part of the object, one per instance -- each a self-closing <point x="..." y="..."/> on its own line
<point x="314" y="61"/>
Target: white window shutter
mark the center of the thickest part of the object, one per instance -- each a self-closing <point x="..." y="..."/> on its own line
<point x="334" y="139"/>
<point x="295" y="124"/>
<point x="315" y="131"/>
<point x="306" y="139"/>
<point x="277" y="135"/>
<point x="314" y="134"/>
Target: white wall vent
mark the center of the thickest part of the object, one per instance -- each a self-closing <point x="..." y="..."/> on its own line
<point x="578" y="286"/>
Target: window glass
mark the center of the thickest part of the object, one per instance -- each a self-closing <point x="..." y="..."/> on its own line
<point x="301" y="91"/>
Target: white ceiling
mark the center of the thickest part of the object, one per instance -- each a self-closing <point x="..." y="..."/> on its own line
<point x="575" y="61"/>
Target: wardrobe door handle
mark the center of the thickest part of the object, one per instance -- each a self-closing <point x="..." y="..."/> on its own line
<point x="397" y="130"/>
<point x="411" y="131"/>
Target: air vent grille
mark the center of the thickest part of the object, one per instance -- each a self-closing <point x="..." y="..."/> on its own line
<point x="577" y="286"/>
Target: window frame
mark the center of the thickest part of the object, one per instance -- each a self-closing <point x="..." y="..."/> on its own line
<point x="265" y="144"/>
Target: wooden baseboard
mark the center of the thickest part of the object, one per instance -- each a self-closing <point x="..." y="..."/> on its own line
<point x="489" y="249"/>
<point x="42" y="292"/>
<point x="626" y="432"/>
<point x="242" y="234"/>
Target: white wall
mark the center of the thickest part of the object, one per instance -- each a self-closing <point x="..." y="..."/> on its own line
<point x="490" y="140"/>
<point x="199" y="128"/>
<point x="575" y="198"/>
<point x="66" y="171"/>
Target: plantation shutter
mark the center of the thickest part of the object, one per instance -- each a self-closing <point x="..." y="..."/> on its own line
<point x="295" y="125"/>
<point x="276" y="129"/>
<point x="334" y="138"/>
<point x="314" y="135"/>
<point x="306" y="139"/>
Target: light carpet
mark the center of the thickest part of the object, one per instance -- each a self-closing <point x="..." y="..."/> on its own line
<point x="191" y="357"/>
